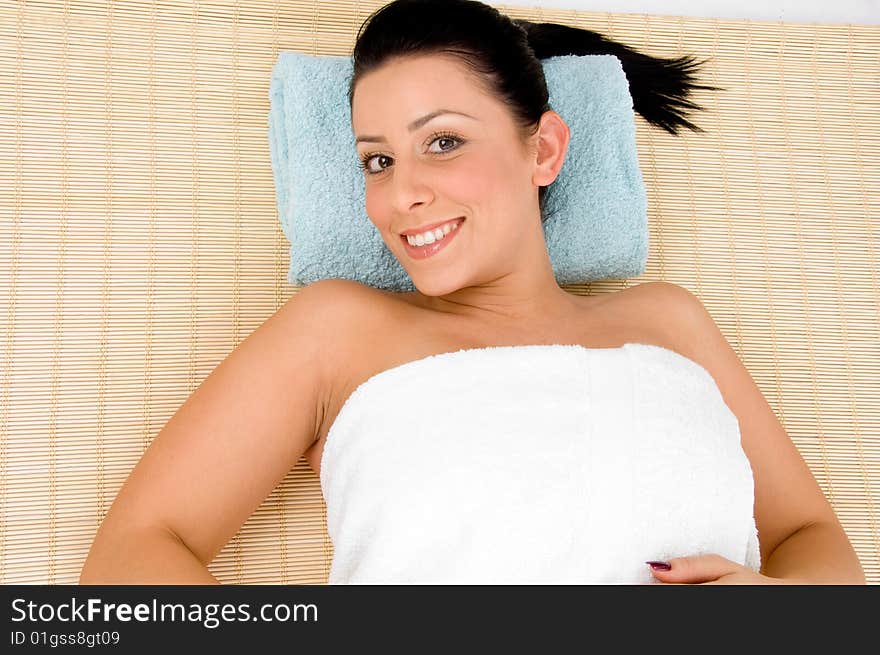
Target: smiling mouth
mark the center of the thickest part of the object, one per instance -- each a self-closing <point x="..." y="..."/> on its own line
<point x="445" y="228"/>
<point x="428" y="250"/>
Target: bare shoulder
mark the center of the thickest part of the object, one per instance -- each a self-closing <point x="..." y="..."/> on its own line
<point x="689" y="326"/>
<point x="661" y="287"/>
<point x="334" y="302"/>
<point x="655" y="312"/>
<point x="659" y="293"/>
<point x="335" y="293"/>
<point x="686" y="324"/>
<point x="681" y="300"/>
<point x="346" y="315"/>
<point x="338" y="313"/>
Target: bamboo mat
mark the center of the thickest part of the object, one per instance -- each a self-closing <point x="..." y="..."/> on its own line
<point x="139" y="244"/>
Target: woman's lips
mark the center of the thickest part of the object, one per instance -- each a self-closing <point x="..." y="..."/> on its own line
<point x="431" y="227"/>
<point x="429" y="250"/>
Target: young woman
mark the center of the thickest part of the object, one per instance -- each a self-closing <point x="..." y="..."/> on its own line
<point x="458" y="144"/>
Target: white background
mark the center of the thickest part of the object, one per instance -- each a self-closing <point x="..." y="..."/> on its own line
<point x="798" y="11"/>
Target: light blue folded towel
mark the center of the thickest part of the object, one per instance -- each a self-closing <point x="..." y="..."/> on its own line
<point x="595" y="211"/>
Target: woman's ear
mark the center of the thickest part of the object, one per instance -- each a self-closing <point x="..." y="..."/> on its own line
<point x="552" y="144"/>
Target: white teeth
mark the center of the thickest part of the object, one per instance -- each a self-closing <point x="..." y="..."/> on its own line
<point x="431" y="237"/>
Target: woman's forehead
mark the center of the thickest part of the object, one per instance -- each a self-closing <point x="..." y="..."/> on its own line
<point x="408" y="88"/>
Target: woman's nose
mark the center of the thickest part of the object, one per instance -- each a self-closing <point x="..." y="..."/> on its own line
<point x="411" y="187"/>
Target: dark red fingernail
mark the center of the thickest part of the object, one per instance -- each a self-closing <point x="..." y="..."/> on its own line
<point x="660" y="566"/>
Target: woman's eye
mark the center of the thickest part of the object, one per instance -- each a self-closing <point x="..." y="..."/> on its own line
<point x="434" y="138"/>
<point x="445" y="137"/>
<point x="365" y="163"/>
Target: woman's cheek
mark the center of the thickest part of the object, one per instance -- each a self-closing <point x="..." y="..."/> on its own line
<point x="469" y="180"/>
<point x="377" y="207"/>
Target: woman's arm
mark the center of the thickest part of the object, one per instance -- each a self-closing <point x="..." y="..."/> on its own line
<point x="800" y="535"/>
<point x="225" y="450"/>
<point x="819" y="553"/>
<point x="151" y="556"/>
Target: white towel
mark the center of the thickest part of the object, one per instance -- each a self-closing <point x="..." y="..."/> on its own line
<point x="536" y="464"/>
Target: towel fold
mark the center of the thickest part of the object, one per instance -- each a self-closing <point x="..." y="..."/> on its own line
<point x="538" y="464"/>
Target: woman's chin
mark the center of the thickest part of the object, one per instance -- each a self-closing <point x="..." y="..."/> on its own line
<point x="434" y="288"/>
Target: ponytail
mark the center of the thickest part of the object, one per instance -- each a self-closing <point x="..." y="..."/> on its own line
<point x="659" y="87"/>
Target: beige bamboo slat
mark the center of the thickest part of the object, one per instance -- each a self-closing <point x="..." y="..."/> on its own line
<point x="140" y="243"/>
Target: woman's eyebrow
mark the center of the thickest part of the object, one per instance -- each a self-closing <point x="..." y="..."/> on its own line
<point x="416" y="124"/>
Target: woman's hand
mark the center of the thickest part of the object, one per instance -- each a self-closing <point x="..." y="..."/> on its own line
<point x="711" y="569"/>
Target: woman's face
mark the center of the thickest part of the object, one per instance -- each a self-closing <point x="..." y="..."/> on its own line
<point x="420" y="173"/>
